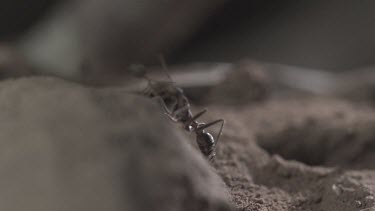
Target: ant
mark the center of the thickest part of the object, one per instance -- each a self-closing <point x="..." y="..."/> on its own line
<point x="177" y="107"/>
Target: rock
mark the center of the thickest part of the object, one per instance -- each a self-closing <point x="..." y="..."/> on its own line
<point x="69" y="147"/>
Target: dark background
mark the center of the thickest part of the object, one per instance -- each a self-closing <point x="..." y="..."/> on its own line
<point x="324" y="34"/>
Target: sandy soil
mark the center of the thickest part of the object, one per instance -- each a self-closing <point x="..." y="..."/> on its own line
<point x="298" y="154"/>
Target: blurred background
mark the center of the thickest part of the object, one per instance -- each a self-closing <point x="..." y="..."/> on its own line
<point x="98" y="40"/>
<point x="277" y="64"/>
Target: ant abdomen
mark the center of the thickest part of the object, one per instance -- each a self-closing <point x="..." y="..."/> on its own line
<point x="206" y="144"/>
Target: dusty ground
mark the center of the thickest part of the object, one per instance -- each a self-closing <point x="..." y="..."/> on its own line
<point x="73" y="147"/>
<point x="302" y="154"/>
<point x="292" y="151"/>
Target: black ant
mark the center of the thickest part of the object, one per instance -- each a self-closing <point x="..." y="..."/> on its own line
<point x="177" y="107"/>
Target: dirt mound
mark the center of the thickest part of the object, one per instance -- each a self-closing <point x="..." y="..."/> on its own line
<point x="267" y="154"/>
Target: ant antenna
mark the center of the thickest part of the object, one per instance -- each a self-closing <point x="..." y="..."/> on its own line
<point x="164" y="66"/>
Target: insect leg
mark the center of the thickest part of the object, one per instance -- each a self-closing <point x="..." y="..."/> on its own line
<point x="165" y="107"/>
<point x="183" y="108"/>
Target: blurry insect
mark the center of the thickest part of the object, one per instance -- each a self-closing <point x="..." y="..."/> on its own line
<point x="177" y="107"/>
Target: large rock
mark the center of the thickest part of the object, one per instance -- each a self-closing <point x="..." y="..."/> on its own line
<point x="67" y="147"/>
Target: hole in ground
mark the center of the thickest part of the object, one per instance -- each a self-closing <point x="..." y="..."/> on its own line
<point x="318" y="143"/>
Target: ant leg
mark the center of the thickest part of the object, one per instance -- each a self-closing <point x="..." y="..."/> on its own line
<point x="212" y="123"/>
<point x="174" y="104"/>
<point x="165" y="107"/>
<point x="171" y="108"/>
<point x="196" y="116"/>
<point x="184" y="108"/>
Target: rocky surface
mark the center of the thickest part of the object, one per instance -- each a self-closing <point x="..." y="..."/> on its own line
<point x="69" y="147"/>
